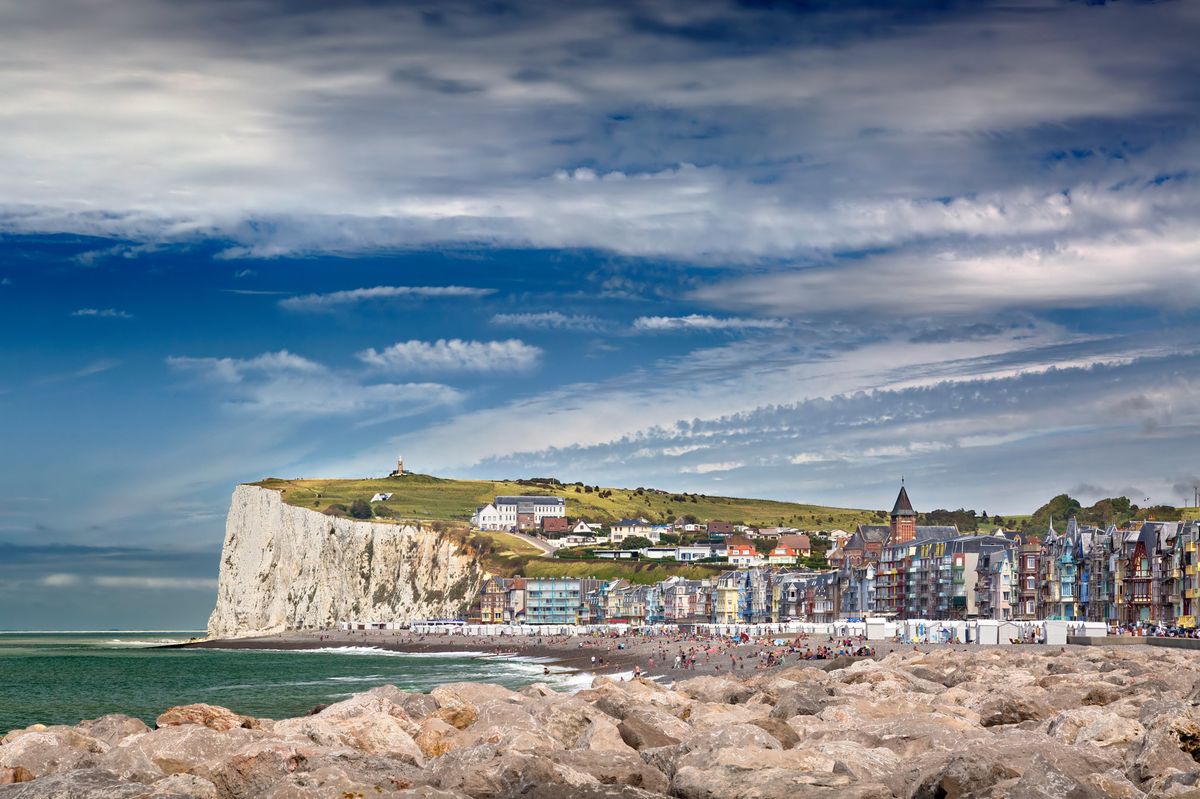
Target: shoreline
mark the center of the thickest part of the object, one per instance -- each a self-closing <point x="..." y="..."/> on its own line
<point x="986" y="723"/>
<point x="653" y="657"/>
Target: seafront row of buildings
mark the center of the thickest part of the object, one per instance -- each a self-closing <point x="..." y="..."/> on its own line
<point x="1142" y="572"/>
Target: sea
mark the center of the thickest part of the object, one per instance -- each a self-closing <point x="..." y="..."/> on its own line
<point x="61" y="678"/>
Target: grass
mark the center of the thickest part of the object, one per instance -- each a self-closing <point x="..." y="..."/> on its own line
<point x="422" y="497"/>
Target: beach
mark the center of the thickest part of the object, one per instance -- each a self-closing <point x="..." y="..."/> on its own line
<point x="649" y="656"/>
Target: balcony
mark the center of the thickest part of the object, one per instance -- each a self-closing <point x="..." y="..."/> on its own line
<point x="1189" y="546"/>
<point x="1190" y="571"/>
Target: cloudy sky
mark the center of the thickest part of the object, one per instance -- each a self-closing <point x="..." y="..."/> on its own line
<point x="792" y="250"/>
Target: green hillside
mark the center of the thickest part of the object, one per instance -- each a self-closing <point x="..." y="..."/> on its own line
<point x="417" y="496"/>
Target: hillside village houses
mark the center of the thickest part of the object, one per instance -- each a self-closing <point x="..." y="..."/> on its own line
<point x="1145" y="572"/>
<point x="518" y="513"/>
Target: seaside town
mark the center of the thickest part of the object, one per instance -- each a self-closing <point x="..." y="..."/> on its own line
<point x="1137" y="577"/>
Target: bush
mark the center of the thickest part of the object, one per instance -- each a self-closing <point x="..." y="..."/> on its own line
<point x="337" y="509"/>
<point x="636" y="542"/>
<point x="384" y="512"/>
<point x="360" y="509"/>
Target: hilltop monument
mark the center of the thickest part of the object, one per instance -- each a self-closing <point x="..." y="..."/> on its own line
<point x="399" y="470"/>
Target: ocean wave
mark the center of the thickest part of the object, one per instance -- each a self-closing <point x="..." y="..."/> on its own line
<point x="360" y="650"/>
<point x="143" y="642"/>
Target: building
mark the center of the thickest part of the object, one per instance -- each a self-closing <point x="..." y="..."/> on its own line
<point x="557" y="600"/>
<point x="502" y="601"/>
<point x="742" y="553"/>
<point x="555" y="524"/>
<point x="631" y="528"/>
<point x="789" y="549"/>
<point x="720" y="528"/>
<point x="518" y="513"/>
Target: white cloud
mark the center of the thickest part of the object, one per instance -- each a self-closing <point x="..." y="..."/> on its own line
<point x="703" y="322"/>
<point x="454" y="355"/>
<point x="103" y="313"/>
<point x="340" y="299"/>
<point x="60" y="580"/>
<point x="709" y="468"/>
<point x="158" y="583"/>
<point x="238" y="134"/>
<point x="285" y="383"/>
<point x="1159" y="266"/>
<point x="548" y="320"/>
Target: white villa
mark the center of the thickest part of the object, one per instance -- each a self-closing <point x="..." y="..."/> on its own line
<point x="518" y="513"/>
<point x="629" y="528"/>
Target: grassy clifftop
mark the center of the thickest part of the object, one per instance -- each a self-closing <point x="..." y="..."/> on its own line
<point x="418" y="496"/>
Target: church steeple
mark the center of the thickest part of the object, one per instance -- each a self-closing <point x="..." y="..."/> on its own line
<point x="904" y="518"/>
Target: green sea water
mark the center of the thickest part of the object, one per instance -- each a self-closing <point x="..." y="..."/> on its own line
<point x="60" y="678"/>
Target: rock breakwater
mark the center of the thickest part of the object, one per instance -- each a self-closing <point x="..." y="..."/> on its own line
<point x="1082" y="722"/>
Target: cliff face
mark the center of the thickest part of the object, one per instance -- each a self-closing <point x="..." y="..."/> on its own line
<point x="286" y="568"/>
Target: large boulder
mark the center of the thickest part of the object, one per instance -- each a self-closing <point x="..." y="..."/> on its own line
<point x="640" y="734"/>
<point x="1092" y="725"/>
<point x="112" y="728"/>
<point x="51" y="750"/>
<point x="212" y="716"/>
<point x="715" y="690"/>
<point x="1012" y="708"/>
<point x="89" y="783"/>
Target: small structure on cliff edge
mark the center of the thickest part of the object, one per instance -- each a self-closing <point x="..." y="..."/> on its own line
<point x="399" y="470"/>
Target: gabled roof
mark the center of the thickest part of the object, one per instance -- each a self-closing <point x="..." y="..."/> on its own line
<point x="903" y="506"/>
<point x="938" y="532"/>
<point x="530" y="500"/>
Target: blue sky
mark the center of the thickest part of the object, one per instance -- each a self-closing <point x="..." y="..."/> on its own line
<point x="772" y="249"/>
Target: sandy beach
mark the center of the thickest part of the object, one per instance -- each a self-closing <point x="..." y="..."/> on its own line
<point x="651" y="656"/>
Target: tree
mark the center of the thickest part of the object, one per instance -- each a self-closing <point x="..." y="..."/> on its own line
<point x="636" y="542"/>
<point x="360" y="509"/>
<point x="764" y="545"/>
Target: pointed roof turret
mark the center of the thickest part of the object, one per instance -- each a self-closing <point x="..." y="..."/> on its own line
<point x="903" y="506"/>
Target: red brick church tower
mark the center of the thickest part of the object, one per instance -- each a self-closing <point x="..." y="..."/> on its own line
<point x="904" y="519"/>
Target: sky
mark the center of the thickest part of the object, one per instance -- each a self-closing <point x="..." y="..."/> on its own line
<point x="793" y="250"/>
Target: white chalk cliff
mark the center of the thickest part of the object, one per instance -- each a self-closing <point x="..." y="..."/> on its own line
<point x="287" y="568"/>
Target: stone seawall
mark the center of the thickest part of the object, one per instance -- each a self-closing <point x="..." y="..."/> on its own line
<point x="990" y="724"/>
<point x="287" y="568"/>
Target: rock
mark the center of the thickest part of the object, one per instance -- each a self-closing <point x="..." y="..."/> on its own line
<point x="11" y="776"/>
<point x="88" y="783"/>
<point x="958" y="775"/>
<point x="189" y="748"/>
<point x="1101" y="694"/>
<point x="112" y="728"/>
<point x="131" y="764"/>
<point x="864" y="763"/>
<point x="435" y="738"/>
<point x="1095" y="726"/>
<point x="779" y="730"/>
<point x="472" y="694"/>
<point x="211" y="716"/>
<point x="730" y="781"/>
<point x="615" y="768"/>
<point x="252" y="771"/>
<point x="717" y="690"/>
<point x="799" y="702"/>
<point x="603" y="737"/>
<point x="342" y="772"/>
<point x="640" y="734"/>
<point x="1012" y="709"/>
<point x="289" y="568"/>
<point x="459" y="716"/>
<point x="180" y="785"/>
<point x="56" y="749"/>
